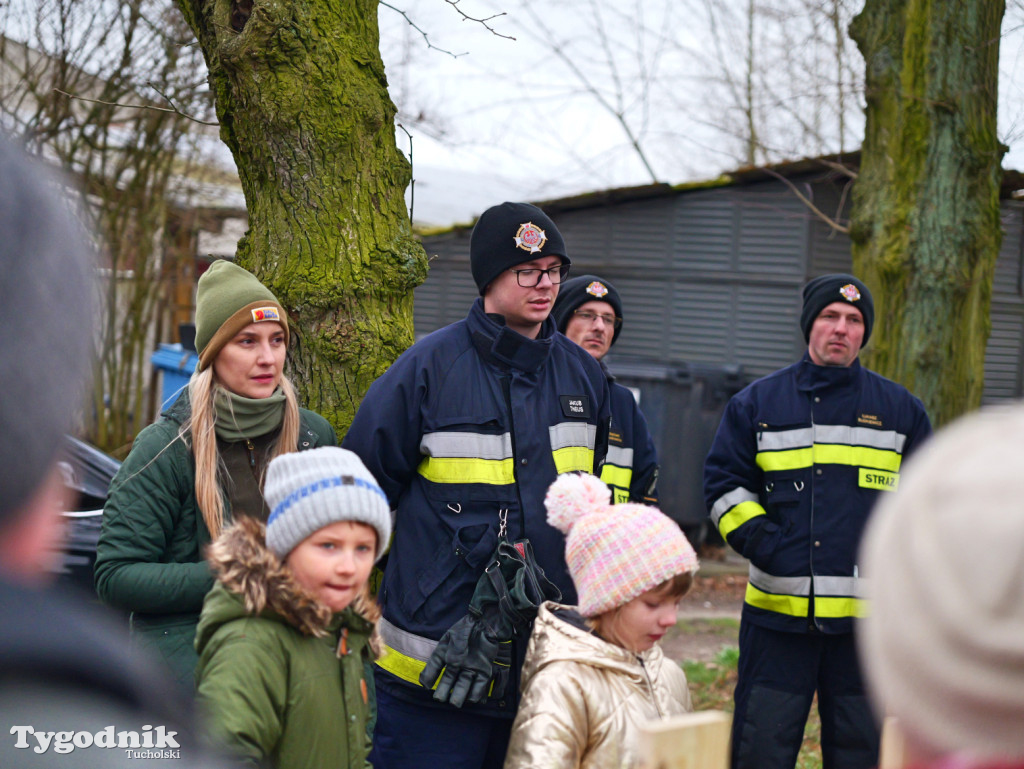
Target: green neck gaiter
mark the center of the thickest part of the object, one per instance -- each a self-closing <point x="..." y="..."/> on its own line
<point x="239" y="418"/>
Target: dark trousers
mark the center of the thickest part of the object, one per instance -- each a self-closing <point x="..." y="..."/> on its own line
<point x="411" y="736"/>
<point x="778" y="676"/>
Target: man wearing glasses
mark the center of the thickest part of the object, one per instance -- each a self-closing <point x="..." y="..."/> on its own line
<point x="588" y="310"/>
<point x="464" y="433"/>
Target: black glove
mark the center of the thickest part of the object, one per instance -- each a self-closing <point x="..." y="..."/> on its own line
<point x="466" y="654"/>
<point x="504" y="605"/>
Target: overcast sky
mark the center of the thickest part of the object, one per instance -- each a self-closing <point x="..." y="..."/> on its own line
<point x="511" y="119"/>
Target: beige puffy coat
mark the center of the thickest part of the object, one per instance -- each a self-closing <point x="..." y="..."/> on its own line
<point x="584" y="698"/>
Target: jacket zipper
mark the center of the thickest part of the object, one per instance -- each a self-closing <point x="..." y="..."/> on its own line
<point x="506" y="387"/>
<point x="650" y="686"/>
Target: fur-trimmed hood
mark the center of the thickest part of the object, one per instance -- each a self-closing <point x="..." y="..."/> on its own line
<point x="252" y="581"/>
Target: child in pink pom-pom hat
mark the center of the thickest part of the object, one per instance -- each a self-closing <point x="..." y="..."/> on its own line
<point x="595" y="673"/>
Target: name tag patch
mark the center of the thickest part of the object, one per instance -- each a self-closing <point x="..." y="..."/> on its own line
<point x="577" y="406"/>
<point x="878" y="479"/>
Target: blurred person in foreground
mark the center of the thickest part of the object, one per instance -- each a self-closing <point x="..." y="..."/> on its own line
<point x="68" y="695"/>
<point x="943" y="646"/>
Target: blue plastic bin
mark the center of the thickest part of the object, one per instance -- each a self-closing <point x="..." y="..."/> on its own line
<point x="176" y="365"/>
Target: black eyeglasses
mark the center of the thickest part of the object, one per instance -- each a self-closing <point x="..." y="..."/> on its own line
<point x="589" y="317"/>
<point x="531" y="278"/>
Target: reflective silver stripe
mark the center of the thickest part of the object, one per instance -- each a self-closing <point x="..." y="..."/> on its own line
<point x="728" y="501"/>
<point x="860" y="436"/>
<point x="779" y="585"/>
<point x="567" y="435"/>
<point x="785" y="439"/>
<point x="845" y="435"/>
<point x="840" y="586"/>
<point x="466" y="445"/>
<point x="404" y="642"/>
<point x="853" y="587"/>
<point x="619" y="457"/>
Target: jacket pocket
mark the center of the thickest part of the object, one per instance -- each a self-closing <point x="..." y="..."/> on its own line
<point x="448" y="577"/>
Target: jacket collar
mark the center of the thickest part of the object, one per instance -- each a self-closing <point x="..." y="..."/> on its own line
<point x="242" y="562"/>
<point x="497" y="343"/>
<point x="811" y="377"/>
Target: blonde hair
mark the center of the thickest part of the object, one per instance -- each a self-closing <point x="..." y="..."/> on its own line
<point x="606" y="623"/>
<point x="209" y="493"/>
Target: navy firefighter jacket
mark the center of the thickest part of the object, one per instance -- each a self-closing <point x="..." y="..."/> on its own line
<point x="798" y="461"/>
<point x="631" y="467"/>
<point x="467" y="428"/>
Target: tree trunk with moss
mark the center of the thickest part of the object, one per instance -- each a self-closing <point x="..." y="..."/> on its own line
<point x="925" y="221"/>
<point x="303" y="105"/>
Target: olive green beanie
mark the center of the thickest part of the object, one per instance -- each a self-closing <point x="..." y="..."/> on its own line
<point x="228" y="299"/>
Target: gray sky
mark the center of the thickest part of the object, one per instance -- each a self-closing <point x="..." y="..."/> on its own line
<point x="511" y="119"/>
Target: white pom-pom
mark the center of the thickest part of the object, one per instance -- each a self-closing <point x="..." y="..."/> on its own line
<point x="573" y="495"/>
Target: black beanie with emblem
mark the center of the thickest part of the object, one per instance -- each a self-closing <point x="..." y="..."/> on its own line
<point x="579" y="291"/>
<point x="837" y="287"/>
<point x="510" y="234"/>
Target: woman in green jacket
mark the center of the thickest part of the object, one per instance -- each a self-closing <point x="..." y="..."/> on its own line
<point x="201" y="464"/>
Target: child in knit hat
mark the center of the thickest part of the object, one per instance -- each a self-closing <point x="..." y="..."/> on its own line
<point x="285" y="636"/>
<point x="595" y="673"/>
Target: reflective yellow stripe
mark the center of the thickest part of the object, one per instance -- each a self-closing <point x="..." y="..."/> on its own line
<point x="738" y="516"/>
<point x="617" y="476"/>
<point x="398" y="664"/>
<point x="794" y="606"/>
<point x="828" y="454"/>
<point x="793" y="459"/>
<point x="573" y="459"/>
<point x="496" y="472"/>
<point x="835" y="608"/>
<point x="409" y="668"/>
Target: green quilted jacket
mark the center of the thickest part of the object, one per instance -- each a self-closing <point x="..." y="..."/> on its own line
<point x="149" y="559"/>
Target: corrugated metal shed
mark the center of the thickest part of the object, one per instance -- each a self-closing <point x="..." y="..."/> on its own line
<point x="712" y="274"/>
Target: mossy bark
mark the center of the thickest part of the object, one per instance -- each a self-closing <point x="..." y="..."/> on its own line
<point x="925" y="220"/>
<point x="302" y="101"/>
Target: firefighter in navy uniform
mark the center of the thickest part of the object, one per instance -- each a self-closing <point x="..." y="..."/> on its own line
<point x="797" y="463"/>
<point x="589" y="311"/>
<point x="464" y="433"/>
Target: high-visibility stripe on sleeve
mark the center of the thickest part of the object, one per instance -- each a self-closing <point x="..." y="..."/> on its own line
<point x="617" y="455"/>
<point x="465" y="457"/>
<point x="734" y="509"/>
<point x="572" y="446"/>
<point x="405" y="654"/>
<point x="613" y="475"/>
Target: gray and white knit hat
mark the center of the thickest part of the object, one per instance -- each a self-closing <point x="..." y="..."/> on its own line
<point x="307" y="490"/>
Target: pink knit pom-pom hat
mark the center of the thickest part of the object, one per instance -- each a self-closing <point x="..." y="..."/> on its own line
<point x="614" y="552"/>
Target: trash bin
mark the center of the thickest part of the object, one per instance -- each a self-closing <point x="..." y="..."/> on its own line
<point x="176" y="365"/>
<point x="683" y="404"/>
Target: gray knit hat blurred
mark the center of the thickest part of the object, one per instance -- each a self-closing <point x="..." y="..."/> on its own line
<point x="307" y="490"/>
<point x="943" y="645"/>
<point x="46" y="312"/>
